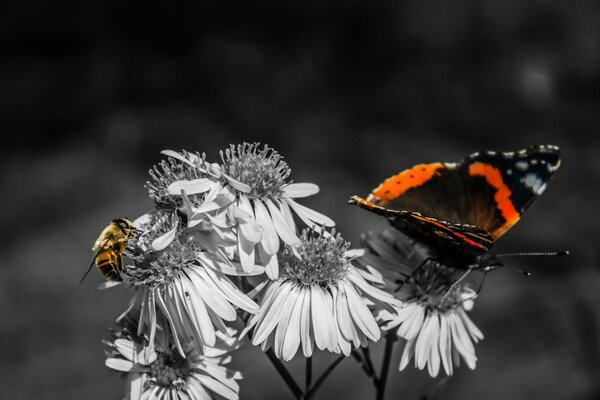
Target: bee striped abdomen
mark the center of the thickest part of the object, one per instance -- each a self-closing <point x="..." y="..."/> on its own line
<point x="108" y="263"/>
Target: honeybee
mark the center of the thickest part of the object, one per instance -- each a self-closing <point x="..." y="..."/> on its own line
<point x="109" y="248"/>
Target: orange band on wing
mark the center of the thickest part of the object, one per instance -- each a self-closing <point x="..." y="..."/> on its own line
<point x="395" y="186"/>
<point x="453" y="232"/>
<point x="502" y="196"/>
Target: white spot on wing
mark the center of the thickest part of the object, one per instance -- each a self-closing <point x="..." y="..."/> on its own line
<point x="522" y="165"/>
<point x="509" y="172"/>
<point x="533" y="161"/>
<point x="534" y="182"/>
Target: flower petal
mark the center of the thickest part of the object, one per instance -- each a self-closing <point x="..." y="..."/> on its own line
<point x="119" y="364"/>
<point x="286" y="231"/>
<point x="306" y="335"/>
<point x="270" y="240"/>
<point x="296" y="190"/>
<point x="361" y="314"/>
<point x="194" y="186"/>
<point x="162" y="242"/>
<point x="309" y="216"/>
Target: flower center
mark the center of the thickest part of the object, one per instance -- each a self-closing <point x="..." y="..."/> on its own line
<point x="169" y="171"/>
<point x="435" y="286"/>
<point x="170" y="370"/>
<point x="322" y="259"/>
<point x="262" y="169"/>
<point x="154" y="268"/>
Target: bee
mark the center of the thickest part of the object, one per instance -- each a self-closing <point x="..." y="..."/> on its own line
<point x="109" y="248"/>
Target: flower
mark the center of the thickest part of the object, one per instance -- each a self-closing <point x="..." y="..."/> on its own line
<point x="249" y="190"/>
<point x="161" y="372"/>
<point x="267" y="202"/>
<point x="433" y="321"/>
<point x="320" y="299"/>
<point x="180" y="273"/>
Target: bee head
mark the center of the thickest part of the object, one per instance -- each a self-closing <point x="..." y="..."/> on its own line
<point x="124" y="224"/>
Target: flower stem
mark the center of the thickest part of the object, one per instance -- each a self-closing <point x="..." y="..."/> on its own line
<point x="380" y="383"/>
<point x="369" y="364"/>
<point x="324" y="376"/>
<point x="287" y="377"/>
<point x="308" y="374"/>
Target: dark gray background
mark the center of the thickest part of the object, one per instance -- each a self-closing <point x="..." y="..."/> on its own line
<point x="349" y="92"/>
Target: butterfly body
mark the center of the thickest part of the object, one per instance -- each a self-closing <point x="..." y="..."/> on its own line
<point x="460" y="209"/>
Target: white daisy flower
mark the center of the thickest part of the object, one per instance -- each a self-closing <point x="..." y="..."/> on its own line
<point x="266" y="202"/>
<point x="433" y="321"/>
<point x="320" y="299"/>
<point x="162" y="373"/>
<point x="179" y="273"/>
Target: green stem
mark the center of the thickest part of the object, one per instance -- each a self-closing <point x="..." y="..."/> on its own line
<point x="324" y="376"/>
<point x="287" y="377"/>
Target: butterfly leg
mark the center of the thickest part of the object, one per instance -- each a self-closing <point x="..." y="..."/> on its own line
<point x="460" y="279"/>
<point x="410" y="278"/>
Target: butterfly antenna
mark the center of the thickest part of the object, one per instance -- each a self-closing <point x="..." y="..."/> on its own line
<point x="550" y="253"/>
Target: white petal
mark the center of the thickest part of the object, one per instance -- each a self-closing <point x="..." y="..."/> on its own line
<point x="361" y="314"/>
<point x="177" y="156"/>
<point x="309" y="216"/>
<point x="445" y="345"/>
<point x="473" y="330"/>
<point x="270" y="240"/>
<point x="292" y="334"/>
<point x="193" y="186"/>
<point x="212" y="298"/>
<point x="423" y="343"/>
<point x="286" y="231"/>
<point x="411" y="327"/>
<point x="135" y="382"/>
<point x="300" y="189"/>
<point x="407" y="354"/>
<point x="271" y="315"/>
<point x="306" y="335"/>
<point x="283" y="324"/>
<point x="119" y="364"/>
<point x="270" y="262"/>
<point x="343" y="316"/>
<point x="320" y="317"/>
<point x="287" y="214"/>
<point x="248" y="227"/>
<point x="434" y="352"/>
<point x="142" y="220"/>
<point x="242" y="187"/>
<point x="162" y="242"/>
<point x="216" y="387"/>
<point x="370" y="290"/>
<point x="462" y="341"/>
<point x="197" y="390"/>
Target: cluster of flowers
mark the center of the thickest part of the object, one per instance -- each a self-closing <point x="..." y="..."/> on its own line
<point x="221" y="258"/>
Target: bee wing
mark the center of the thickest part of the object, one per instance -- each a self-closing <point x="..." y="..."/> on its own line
<point x="100" y="243"/>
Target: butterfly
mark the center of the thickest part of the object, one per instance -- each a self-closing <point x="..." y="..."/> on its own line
<point x="460" y="209"/>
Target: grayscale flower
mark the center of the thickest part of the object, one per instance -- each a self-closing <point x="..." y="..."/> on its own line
<point x="161" y="372"/>
<point x="320" y="299"/>
<point x="433" y="320"/>
<point x="181" y="274"/>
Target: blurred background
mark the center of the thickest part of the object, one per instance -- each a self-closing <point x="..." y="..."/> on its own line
<point x="349" y="92"/>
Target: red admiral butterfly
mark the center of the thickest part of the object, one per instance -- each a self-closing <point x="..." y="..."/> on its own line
<point x="460" y="210"/>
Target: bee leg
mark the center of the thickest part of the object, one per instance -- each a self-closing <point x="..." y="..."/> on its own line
<point x="90" y="268"/>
